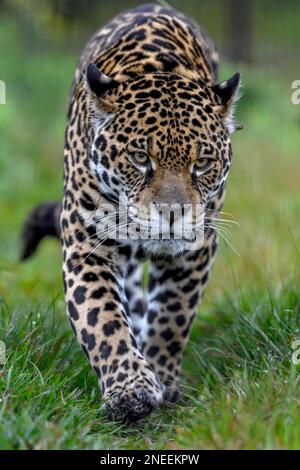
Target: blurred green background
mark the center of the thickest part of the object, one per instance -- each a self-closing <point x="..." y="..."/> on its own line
<point x="40" y="45"/>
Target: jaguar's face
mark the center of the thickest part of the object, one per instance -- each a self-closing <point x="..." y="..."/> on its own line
<point x="162" y="151"/>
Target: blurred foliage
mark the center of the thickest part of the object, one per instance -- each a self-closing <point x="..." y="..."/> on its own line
<point x="68" y="23"/>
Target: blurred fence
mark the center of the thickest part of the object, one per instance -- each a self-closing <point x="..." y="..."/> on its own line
<point x="250" y="31"/>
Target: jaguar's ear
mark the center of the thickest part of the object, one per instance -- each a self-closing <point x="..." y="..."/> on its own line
<point x="227" y="94"/>
<point x="101" y="87"/>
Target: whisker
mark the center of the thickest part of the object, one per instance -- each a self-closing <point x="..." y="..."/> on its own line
<point x="224" y="229"/>
<point x="101" y="242"/>
<point x="220" y="232"/>
<point x="85" y="227"/>
<point x="228" y="221"/>
<point x="211" y="211"/>
<point x="97" y="233"/>
<point x="223" y="225"/>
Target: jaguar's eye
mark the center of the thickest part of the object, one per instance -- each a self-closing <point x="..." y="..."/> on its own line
<point x="203" y="165"/>
<point x="140" y="160"/>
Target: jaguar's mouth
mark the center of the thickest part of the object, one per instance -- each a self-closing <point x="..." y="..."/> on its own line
<point x="170" y="247"/>
<point x="155" y="236"/>
<point x="163" y="247"/>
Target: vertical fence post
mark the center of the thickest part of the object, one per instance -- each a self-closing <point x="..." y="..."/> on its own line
<point x="240" y="15"/>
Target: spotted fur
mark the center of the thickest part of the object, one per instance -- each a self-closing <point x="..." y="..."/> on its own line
<point x="146" y="82"/>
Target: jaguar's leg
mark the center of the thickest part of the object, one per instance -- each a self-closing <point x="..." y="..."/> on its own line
<point x="175" y="291"/>
<point x="97" y="308"/>
<point x="136" y="296"/>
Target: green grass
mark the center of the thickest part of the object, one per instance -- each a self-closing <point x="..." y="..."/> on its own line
<point x="241" y="388"/>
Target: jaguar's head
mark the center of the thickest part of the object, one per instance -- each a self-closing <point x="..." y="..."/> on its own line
<point x="160" y="146"/>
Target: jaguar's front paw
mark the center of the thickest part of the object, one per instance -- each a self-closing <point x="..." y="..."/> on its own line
<point x="135" y="399"/>
<point x="172" y="394"/>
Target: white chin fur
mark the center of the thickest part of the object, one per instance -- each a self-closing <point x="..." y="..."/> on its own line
<point x="164" y="247"/>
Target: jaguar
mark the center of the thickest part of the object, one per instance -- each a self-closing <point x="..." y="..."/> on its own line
<point x="148" y="127"/>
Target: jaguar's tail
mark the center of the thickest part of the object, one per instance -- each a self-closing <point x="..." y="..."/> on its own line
<point x="42" y="221"/>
